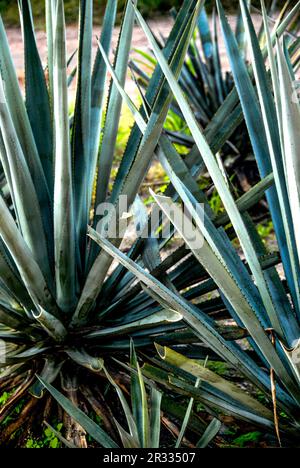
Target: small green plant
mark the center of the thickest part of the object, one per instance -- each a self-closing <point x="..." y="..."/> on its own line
<point x="49" y="439"/>
<point x="251" y="438"/>
<point x="265" y="229"/>
<point x="4" y="398"/>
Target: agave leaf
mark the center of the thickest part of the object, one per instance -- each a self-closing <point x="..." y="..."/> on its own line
<point x="151" y="251"/>
<point x="277" y="289"/>
<point x="223" y="124"/>
<point x="204" y="30"/>
<point x="127" y="411"/>
<point x="51" y="324"/>
<point x="12" y="320"/>
<point x="26" y="203"/>
<point x="130" y="184"/>
<point x="81" y="137"/>
<point x="145" y="103"/>
<point x="160" y="318"/>
<point x="128" y="441"/>
<point x="127" y="161"/>
<point x="98" y="86"/>
<point x="248" y="199"/>
<point x="120" y="89"/>
<point x="247" y="297"/>
<point x="12" y="337"/>
<point x="272" y="133"/>
<point x="50" y="7"/>
<point x="218" y="131"/>
<point x="282" y="12"/>
<point x="5" y="167"/>
<point x="141" y="162"/>
<point x="81" y="357"/>
<point x="11" y="279"/>
<point x="29" y="270"/>
<point x="49" y="373"/>
<point x="259" y="143"/>
<point x="240" y="32"/>
<point x="288" y="324"/>
<point x="209" y="434"/>
<point x="291" y="127"/>
<point x="17" y="369"/>
<point x="288" y="58"/>
<point x="273" y="70"/>
<point x="95" y="431"/>
<point x="147" y="56"/>
<point x="232" y="99"/>
<point x="217" y="60"/>
<point x="168" y="149"/>
<point x="163" y="142"/>
<point x="209" y="396"/>
<point x="37" y="98"/>
<point x="213" y="238"/>
<point x="294" y="358"/>
<point x="71" y="77"/>
<point x="64" y="235"/>
<point x="25" y="136"/>
<point x="219" y="401"/>
<point x="23" y="356"/>
<point x="139" y="402"/>
<point x="115" y="102"/>
<point x="17" y="394"/>
<point x="186" y="418"/>
<point x="204" y="374"/>
<point x="187" y="176"/>
<point x="155" y="421"/>
<point x="196" y="424"/>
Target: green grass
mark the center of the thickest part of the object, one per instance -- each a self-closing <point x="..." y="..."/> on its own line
<point x="4" y="398"/>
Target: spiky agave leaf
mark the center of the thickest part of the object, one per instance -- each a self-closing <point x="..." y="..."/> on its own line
<point x="143" y="418"/>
